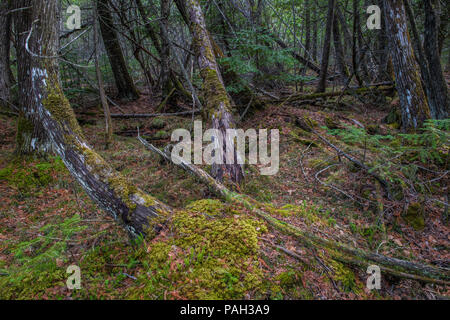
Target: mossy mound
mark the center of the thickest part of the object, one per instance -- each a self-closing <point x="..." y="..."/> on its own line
<point x="207" y="257"/>
<point x="414" y="216"/>
<point x="158" y="124"/>
<point x="331" y="123"/>
<point x="28" y="175"/>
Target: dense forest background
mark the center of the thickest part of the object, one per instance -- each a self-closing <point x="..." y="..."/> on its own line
<point x="91" y="91"/>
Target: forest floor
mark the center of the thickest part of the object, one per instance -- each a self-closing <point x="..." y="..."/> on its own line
<point x="212" y="250"/>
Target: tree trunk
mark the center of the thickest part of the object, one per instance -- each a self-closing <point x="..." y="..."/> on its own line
<point x="440" y="108"/>
<point x="413" y="102"/>
<point x="109" y="189"/>
<point x="31" y="139"/>
<point x="315" y="33"/>
<point x="326" y="47"/>
<point x="148" y="27"/>
<point x="339" y="50"/>
<point x="101" y="89"/>
<point x="5" y="33"/>
<point x="218" y="104"/>
<point x="124" y="83"/>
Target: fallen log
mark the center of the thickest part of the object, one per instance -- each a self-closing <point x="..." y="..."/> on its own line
<point x="152" y="115"/>
<point x="350" y="91"/>
<point x="337" y="251"/>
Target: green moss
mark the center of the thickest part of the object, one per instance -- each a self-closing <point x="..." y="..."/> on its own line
<point x="158" y="124"/>
<point x="373" y="129"/>
<point x="208" y="206"/>
<point x="207" y="258"/>
<point x="331" y="123"/>
<point x="28" y="175"/>
<point x="414" y="216"/>
<point x="161" y="135"/>
<point x="60" y="108"/>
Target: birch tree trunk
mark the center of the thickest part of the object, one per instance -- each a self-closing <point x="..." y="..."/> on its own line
<point x="109" y="189"/>
<point x="218" y="104"/>
<point x="124" y="83"/>
<point x="414" y="105"/>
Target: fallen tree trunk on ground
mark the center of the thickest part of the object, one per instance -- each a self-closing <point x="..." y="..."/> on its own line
<point x="337" y="251"/>
<point x="151" y="115"/>
<point x="313" y="96"/>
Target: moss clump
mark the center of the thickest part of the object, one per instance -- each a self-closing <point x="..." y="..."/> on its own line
<point x="331" y="123"/>
<point x="208" y="206"/>
<point x="206" y="259"/>
<point x="414" y="216"/>
<point x="373" y="129"/>
<point x="394" y="117"/>
<point x="161" y="135"/>
<point x="26" y="176"/>
<point x="60" y="108"/>
<point x="158" y="124"/>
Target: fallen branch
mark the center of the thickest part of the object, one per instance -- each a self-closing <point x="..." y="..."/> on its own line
<point x="315" y="96"/>
<point x="152" y="115"/>
<point x="337" y="251"/>
<point x="358" y="163"/>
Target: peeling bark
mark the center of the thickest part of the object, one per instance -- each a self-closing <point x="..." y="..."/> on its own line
<point x="218" y="104"/>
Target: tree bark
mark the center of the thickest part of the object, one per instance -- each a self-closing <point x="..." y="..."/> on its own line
<point x="218" y="104"/>
<point x="124" y="83"/>
<point x="326" y="47"/>
<point x="5" y="33"/>
<point x="438" y="86"/>
<point x="165" y="49"/>
<point x="31" y="139"/>
<point x="339" y="50"/>
<point x="101" y="89"/>
<point x="108" y="188"/>
<point x="414" y="105"/>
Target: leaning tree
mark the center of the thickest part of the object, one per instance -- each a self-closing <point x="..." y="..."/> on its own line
<point x="51" y="110"/>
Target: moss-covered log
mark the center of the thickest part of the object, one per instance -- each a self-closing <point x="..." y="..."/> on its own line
<point x="108" y="188"/>
<point x="218" y="104"/>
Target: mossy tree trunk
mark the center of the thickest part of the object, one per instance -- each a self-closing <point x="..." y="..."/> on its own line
<point x="31" y="139"/>
<point x="124" y="82"/>
<point x="108" y="188"/>
<point x="218" y="104"/>
<point x="5" y="32"/>
<point x="413" y="101"/>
